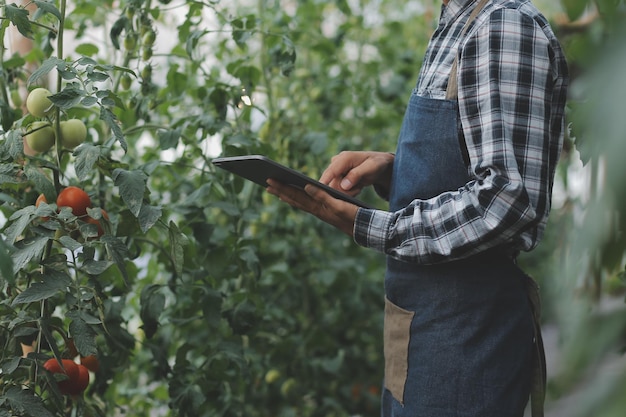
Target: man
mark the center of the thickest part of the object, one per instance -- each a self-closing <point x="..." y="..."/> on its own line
<point x="469" y="187"/>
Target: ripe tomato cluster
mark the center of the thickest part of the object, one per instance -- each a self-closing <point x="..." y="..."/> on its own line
<point x="40" y="136"/>
<point x="78" y="200"/>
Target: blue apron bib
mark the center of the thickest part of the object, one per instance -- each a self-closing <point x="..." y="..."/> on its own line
<point x="459" y="334"/>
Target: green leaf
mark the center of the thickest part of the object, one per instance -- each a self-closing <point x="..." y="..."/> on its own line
<point x="117" y="252"/>
<point x="19" y="17"/>
<point x="111" y="121"/>
<point x="97" y="76"/>
<point x="27" y="250"/>
<point x="86" y="157"/>
<point x="93" y="267"/>
<point x="248" y="75"/>
<point x="13" y="62"/>
<point x="24" y="401"/>
<point x="83" y="334"/>
<point x="68" y="97"/>
<point x="20" y="219"/>
<point x="13" y="145"/>
<point x="168" y="138"/>
<point x="177" y="241"/>
<point x="88" y="49"/>
<point x="8" y="174"/>
<point x="117" y="29"/>
<point x="109" y="98"/>
<point x="46" y="66"/>
<point x="148" y="216"/>
<point x="152" y="304"/>
<point x="10" y="365"/>
<point x="42" y="183"/>
<point x="70" y="243"/>
<point x="48" y="8"/>
<point x="243" y="29"/>
<point x="7" y="115"/>
<point x="52" y="283"/>
<point x="6" y="263"/>
<point x="192" y="41"/>
<point x="132" y="185"/>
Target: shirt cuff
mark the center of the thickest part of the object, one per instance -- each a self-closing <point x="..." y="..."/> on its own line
<point x="370" y="228"/>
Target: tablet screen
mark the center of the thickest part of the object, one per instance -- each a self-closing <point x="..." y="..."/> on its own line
<point x="258" y="168"/>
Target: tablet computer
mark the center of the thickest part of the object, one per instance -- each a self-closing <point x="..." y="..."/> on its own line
<point x="258" y="168"/>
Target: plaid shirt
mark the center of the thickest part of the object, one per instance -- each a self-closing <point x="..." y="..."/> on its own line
<point x="512" y="78"/>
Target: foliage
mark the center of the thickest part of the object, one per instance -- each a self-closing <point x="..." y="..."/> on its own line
<point x="589" y="261"/>
<point x="200" y="284"/>
<point x="204" y="296"/>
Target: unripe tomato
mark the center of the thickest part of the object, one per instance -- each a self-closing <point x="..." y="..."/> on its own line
<point x="70" y="368"/>
<point x="130" y="42"/>
<point x="148" y="37"/>
<point x="146" y="72"/>
<point x="75" y="198"/>
<point x="272" y="376"/>
<point x="40" y="136"/>
<point x="146" y="53"/>
<point x="38" y="103"/>
<point x="126" y="81"/>
<point x="73" y="133"/>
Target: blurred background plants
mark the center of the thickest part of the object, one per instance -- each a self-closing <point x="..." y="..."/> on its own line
<point x="202" y="296"/>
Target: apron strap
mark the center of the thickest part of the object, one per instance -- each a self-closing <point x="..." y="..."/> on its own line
<point x="453" y="85"/>
<point x="538" y="376"/>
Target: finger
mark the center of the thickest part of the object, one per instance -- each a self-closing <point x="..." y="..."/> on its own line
<point x="293" y="196"/>
<point x="340" y="164"/>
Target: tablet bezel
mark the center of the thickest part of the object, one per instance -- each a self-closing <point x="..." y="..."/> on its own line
<point x="259" y="168"/>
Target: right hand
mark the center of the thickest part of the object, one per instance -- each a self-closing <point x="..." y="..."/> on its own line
<point x="351" y="171"/>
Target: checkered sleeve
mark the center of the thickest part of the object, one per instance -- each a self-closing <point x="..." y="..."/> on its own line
<point x="510" y="100"/>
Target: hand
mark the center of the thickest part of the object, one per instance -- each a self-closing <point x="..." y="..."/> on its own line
<point x="351" y="171"/>
<point x="319" y="203"/>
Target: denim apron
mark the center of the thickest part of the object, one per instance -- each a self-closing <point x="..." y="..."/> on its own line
<point x="459" y="334"/>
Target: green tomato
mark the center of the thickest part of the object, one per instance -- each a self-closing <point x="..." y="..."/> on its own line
<point x="149" y="37"/>
<point x="73" y="133"/>
<point x="272" y="376"/>
<point x="287" y="388"/>
<point x="38" y="103"/>
<point x="40" y="136"/>
<point x="130" y="42"/>
<point x="146" y="53"/>
<point x="126" y="81"/>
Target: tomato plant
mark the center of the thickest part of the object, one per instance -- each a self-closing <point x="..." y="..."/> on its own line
<point x="227" y="301"/>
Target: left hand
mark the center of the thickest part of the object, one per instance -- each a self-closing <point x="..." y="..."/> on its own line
<point x="319" y="203"/>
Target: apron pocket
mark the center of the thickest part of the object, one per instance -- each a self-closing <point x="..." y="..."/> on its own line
<point x="397" y="332"/>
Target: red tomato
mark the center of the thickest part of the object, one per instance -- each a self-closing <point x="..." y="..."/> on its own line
<point x="91" y="362"/>
<point x="70" y="368"/>
<point x="42" y="199"/>
<point x="80" y="383"/>
<point x="75" y="198"/>
<point x="91" y="220"/>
